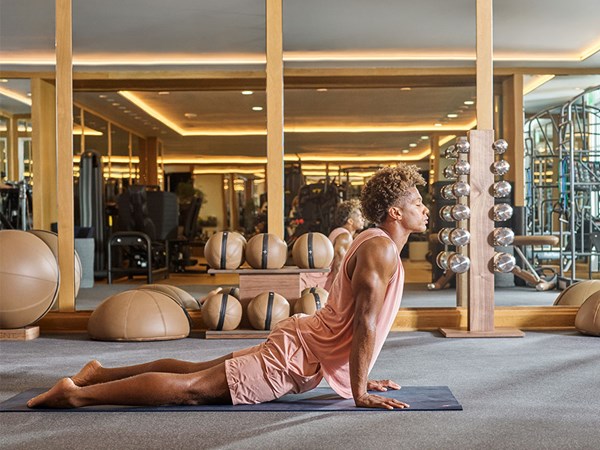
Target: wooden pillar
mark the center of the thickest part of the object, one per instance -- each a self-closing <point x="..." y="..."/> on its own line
<point x="512" y="119"/>
<point x="480" y="277"/>
<point x="233" y="204"/>
<point x="43" y="144"/>
<point x="13" y="149"/>
<point x="224" y="201"/>
<point x="149" y="161"/>
<point x="275" y="187"/>
<point x="64" y="141"/>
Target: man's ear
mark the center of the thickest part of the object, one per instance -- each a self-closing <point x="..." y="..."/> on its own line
<point x="395" y="212"/>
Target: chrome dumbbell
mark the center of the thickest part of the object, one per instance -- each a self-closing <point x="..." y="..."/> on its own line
<point x="446" y="213"/>
<point x="500" y="146"/>
<point x="502" y="237"/>
<point x="451" y="152"/>
<point x="502" y="212"/>
<point x="461" y="168"/>
<point x="504" y="262"/>
<point x="442" y="260"/>
<point x="447" y="192"/>
<point x="444" y="236"/>
<point x="500" y="167"/>
<point x="462" y="145"/>
<point x="501" y="189"/>
<point x="461" y="189"/>
<point x="458" y="263"/>
<point x="460" y="212"/>
<point x="459" y="237"/>
<point x="449" y="173"/>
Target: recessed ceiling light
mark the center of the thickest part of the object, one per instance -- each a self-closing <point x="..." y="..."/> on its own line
<point x="155" y="128"/>
<point x="257" y="108"/>
<point x="126" y="111"/>
<point x="115" y="104"/>
<point x="412" y="145"/>
<point x="247" y="92"/>
<point x="29" y="94"/>
<point x="322" y="90"/>
<point x="190" y="115"/>
<point x="437" y="124"/>
<point x="163" y="93"/>
<point x="3" y="80"/>
<point x="406" y="89"/>
<point x="405" y="150"/>
<point x="102" y="96"/>
<point x="469" y="102"/>
<point x="452" y="116"/>
<point x="122" y="107"/>
<point x="424" y="137"/>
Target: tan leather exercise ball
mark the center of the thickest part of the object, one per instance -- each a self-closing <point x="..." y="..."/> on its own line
<point x="51" y="240"/>
<point x="266" y="251"/>
<point x="310" y="303"/>
<point x="222" y="312"/>
<point x="319" y="290"/>
<point x="577" y="293"/>
<point x="138" y="315"/>
<point x="313" y="251"/>
<point x="179" y="295"/>
<point x="267" y="309"/>
<point x="588" y="317"/>
<point x="235" y="291"/>
<point x="225" y="250"/>
<point x="29" y="279"/>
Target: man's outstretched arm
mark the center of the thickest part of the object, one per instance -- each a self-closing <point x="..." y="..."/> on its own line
<point x="374" y="266"/>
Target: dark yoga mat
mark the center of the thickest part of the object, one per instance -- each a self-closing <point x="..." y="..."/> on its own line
<point x="420" y="398"/>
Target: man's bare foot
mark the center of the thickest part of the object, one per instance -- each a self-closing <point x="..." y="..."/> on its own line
<point x="60" y="396"/>
<point x="87" y="375"/>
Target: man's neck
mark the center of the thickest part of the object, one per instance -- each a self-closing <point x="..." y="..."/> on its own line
<point x="398" y="234"/>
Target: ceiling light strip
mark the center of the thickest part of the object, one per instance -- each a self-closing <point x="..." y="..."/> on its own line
<point x="535" y="82"/>
<point x="15" y="96"/>
<point x="151" y="111"/>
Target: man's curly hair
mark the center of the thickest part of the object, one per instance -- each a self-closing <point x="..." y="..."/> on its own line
<point x="386" y="189"/>
<point x="344" y="211"/>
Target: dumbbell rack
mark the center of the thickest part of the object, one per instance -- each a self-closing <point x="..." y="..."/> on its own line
<point x="284" y="281"/>
<point x="480" y="285"/>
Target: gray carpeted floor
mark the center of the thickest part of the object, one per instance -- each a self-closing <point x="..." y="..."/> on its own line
<point x="539" y="392"/>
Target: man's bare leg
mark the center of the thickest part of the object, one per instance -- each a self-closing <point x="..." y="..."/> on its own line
<point x="147" y="389"/>
<point x="93" y="372"/>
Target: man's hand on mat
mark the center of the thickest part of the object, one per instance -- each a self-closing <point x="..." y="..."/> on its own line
<point x="377" y="401"/>
<point x="381" y="385"/>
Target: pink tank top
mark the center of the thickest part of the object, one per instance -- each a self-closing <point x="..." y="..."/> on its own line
<point x="332" y="237"/>
<point x="327" y="335"/>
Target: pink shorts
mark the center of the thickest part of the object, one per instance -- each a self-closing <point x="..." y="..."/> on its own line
<point x="272" y="369"/>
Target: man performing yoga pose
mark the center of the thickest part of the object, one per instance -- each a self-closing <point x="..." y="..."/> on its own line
<point x="339" y="343"/>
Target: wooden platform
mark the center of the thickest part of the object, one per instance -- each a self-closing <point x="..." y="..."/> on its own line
<point x="495" y="333"/>
<point x="20" y="334"/>
<point x="235" y="334"/>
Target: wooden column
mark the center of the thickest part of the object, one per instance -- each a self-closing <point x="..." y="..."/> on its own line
<point x="13" y="149"/>
<point x="148" y="161"/>
<point x="275" y="186"/>
<point x="233" y="204"/>
<point x="512" y="118"/>
<point x="43" y="144"/>
<point x="64" y="141"/>
<point x="480" y="277"/>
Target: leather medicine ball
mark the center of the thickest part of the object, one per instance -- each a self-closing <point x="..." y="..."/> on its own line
<point x="267" y="309"/>
<point x="222" y="312"/>
<point x="225" y="250"/>
<point x="266" y="251"/>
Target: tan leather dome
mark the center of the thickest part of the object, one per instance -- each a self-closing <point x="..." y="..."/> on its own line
<point x="267" y="309"/>
<point x="310" y="303"/>
<point x="225" y="250"/>
<point x="51" y="240"/>
<point x="577" y="293"/>
<point x="222" y="312"/>
<point x="29" y="279"/>
<point x="179" y="295"/>
<point x="313" y="251"/>
<point x="266" y="251"/>
<point x="138" y="315"/>
<point x="588" y="317"/>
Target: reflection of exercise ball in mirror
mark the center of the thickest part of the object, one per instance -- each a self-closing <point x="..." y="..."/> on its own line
<point x="29" y="279"/>
<point x="51" y="240"/>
